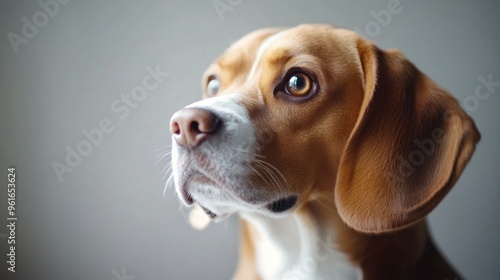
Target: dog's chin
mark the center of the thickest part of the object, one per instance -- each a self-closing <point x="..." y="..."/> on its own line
<point x="218" y="210"/>
<point x="214" y="216"/>
<point x="218" y="202"/>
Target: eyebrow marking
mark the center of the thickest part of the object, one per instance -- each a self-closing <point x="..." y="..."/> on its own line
<point x="265" y="44"/>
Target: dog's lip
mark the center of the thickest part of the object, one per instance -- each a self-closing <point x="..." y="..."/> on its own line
<point x="277" y="206"/>
<point x="194" y="178"/>
<point x="188" y="199"/>
<point x="209" y="213"/>
<point x="184" y="190"/>
<point x="283" y="204"/>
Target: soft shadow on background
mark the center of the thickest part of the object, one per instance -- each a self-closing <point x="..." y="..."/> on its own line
<point x="105" y="217"/>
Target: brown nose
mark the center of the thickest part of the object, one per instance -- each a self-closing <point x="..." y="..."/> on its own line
<point x="192" y="126"/>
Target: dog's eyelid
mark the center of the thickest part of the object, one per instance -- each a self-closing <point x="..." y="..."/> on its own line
<point x="280" y="87"/>
<point x="304" y="70"/>
<point x="210" y="78"/>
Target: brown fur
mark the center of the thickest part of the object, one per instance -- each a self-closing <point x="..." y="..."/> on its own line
<point x="341" y="150"/>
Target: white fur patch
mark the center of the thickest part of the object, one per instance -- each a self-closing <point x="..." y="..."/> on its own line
<point x="223" y="159"/>
<point x="286" y="249"/>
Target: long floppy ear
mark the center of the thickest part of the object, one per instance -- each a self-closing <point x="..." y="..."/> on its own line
<point x="409" y="146"/>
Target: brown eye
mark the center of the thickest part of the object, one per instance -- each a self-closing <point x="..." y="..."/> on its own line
<point x="213" y="87"/>
<point x="298" y="84"/>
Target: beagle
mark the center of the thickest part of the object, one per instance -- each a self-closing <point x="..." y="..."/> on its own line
<point x="331" y="150"/>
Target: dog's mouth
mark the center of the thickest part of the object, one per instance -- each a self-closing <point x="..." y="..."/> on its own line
<point x="282" y="205"/>
<point x="209" y="213"/>
<point x="278" y="206"/>
<point x="201" y="189"/>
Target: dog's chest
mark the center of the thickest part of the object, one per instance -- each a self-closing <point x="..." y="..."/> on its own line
<point x="286" y="250"/>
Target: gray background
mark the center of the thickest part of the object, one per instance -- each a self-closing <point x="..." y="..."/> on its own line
<point x="108" y="216"/>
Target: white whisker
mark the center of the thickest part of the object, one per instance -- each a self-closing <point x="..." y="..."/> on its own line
<point x="265" y="180"/>
<point x="276" y="175"/>
<point x="169" y="180"/>
<point x="166" y="147"/>
<point x="167" y="169"/>
<point x="161" y="157"/>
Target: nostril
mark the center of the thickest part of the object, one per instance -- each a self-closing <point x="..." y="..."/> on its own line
<point x="191" y="126"/>
<point x="195" y="127"/>
<point x="175" y="128"/>
<point x="205" y="125"/>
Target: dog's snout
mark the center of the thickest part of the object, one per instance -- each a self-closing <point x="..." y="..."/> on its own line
<point x="191" y="126"/>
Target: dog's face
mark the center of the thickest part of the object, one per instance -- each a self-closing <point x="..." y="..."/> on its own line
<point x="292" y="115"/>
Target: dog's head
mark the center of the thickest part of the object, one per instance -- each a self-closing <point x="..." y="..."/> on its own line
<point x="293" y="115"/>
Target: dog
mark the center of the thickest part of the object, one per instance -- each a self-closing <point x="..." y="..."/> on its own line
<point x="331" y="150"/>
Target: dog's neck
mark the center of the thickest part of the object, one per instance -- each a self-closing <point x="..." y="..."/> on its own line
<point x="299" y="246"/>
<point x="313" y="243"/>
